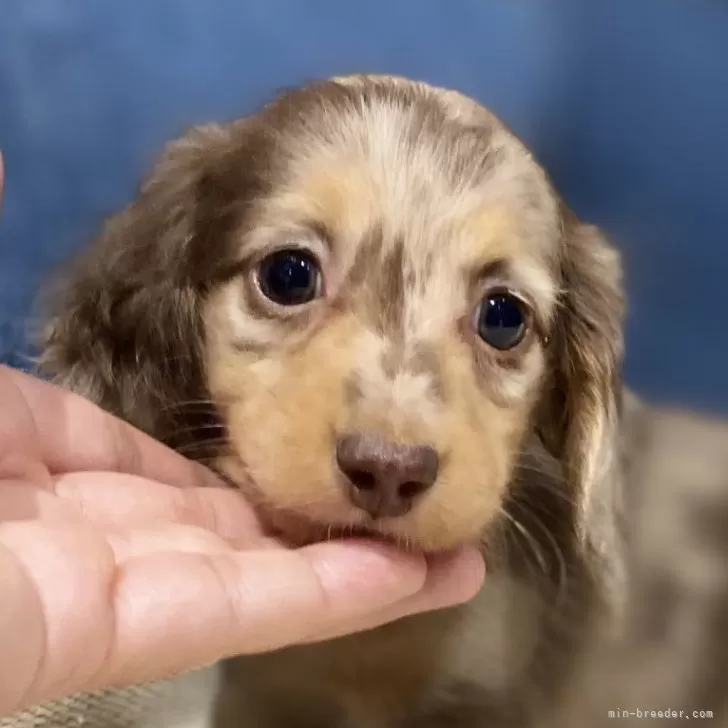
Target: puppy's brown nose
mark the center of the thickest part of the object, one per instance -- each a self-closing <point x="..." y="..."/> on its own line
<point x="384" y="477"/>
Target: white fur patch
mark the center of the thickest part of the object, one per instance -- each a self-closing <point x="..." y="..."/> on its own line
<point x="405" y="396"/>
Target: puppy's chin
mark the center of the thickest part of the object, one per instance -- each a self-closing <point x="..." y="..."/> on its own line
<point x="296" y="529"/>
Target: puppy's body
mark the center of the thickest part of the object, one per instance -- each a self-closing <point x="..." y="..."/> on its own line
<point x="668" y="660"/>
<point x="457" y="309"/>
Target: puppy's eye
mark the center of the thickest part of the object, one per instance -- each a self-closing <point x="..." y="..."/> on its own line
<point x="501" y="320"/>
<point x="290" y="277"/>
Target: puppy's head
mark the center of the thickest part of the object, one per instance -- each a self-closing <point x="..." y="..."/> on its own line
<point x="378" y="295"/>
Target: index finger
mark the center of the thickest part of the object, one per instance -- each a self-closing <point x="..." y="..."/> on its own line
<point x="72" y="434"/>
<point x="264" y="600"/>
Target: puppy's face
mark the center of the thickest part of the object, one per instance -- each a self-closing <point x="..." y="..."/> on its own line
<point x="379" y="270"/>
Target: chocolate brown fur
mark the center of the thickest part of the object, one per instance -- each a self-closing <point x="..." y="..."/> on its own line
<point x="415" y="199"/>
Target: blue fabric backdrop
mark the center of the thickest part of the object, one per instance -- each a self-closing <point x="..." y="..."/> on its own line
<point x="625" y="102"/>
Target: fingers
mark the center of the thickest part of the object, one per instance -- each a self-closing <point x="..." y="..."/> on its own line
<point x="244" y="603"/>
<point x="452" y="579"/>
<point x="116" y="500"/>
<point x="19" y="458"/>
<point x="62" y="422"/>
<point x="203" y="607"/>
<point x="110" y="501"/>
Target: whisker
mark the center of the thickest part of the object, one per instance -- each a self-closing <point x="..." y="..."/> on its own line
<point x="192" y="447"/>
<point x="507" y="540"/>
<point x="201" y="428"/>
<point x="558" y="553"/>
<point x="544" y="483"/>
<point x="529" y="538"/>
<point x="220" y="440"/>
<point x="190" y="403"/>
<point x="211" y="464"/>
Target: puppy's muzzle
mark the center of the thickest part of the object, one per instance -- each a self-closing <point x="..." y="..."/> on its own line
<point x="385" y="478"/>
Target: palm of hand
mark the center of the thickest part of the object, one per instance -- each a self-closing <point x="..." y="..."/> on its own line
<point x="84" y="535"/>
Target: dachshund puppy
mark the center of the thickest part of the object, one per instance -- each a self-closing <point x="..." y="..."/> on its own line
<point x="367" y="307"/>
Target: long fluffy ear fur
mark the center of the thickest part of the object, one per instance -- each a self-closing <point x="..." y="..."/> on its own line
<point x="579" y="411"/>
<point x="125" y="325"/>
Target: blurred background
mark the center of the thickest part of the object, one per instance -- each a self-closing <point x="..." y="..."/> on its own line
<point x="624" y="101"/>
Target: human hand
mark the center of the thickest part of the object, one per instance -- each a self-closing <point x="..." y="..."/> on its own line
<point x="123" y="562"/>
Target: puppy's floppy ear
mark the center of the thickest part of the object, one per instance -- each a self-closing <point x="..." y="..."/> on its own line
<point x="581" y="399"/>
<point x="125" y="326"/>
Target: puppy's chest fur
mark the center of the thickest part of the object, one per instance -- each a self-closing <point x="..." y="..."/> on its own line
<point x="497" y="661"/>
